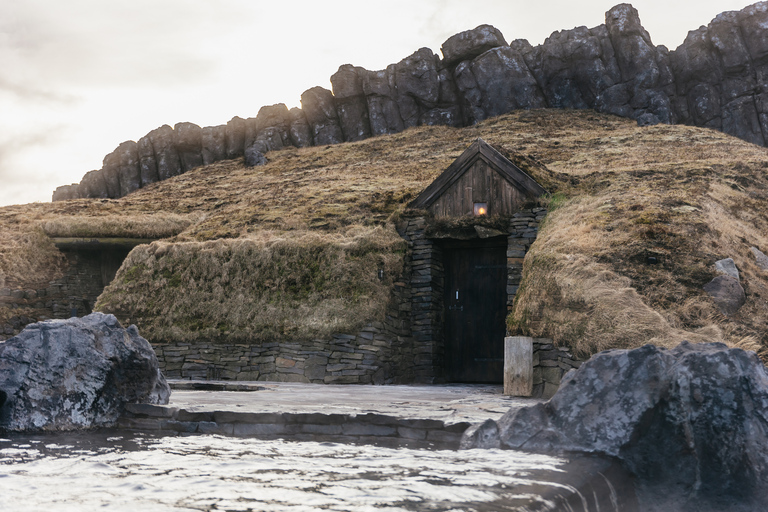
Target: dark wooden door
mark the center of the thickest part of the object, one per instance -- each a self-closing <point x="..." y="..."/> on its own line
<point x="475" y="316"/>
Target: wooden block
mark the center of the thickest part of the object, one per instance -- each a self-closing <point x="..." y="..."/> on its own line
<point x="518" y="366"/>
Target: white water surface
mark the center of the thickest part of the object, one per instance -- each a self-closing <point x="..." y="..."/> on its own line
<point x="119" y="472"/>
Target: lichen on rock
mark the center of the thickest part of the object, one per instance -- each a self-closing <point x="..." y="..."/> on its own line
<point x="76" y="373"/>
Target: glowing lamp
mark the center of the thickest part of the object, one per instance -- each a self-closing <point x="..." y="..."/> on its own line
<point x="481" y="208"/>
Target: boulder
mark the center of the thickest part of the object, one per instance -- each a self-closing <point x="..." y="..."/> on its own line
<point x="76" y="373"/>
<point x="301" y="135"/>
<point x="235" y="137"/>
<point x="270" y="129"/>
<point x="319" y="106"/>
<point x="471" y="43"/>
<point x="417" y="85"/>
<point x="254" y="157"/>
<point x="496" y="82"/>
<point x="121" y="170"/>
<point x="351" y="105"/>
<point x="65" y="192"/>
<point x="644" y="68"/>
<point x="727" y="267"/>
<point x="166" y="155"/>
<point x="189" y="145"/>
<point x="147" y="162"/>
<point x="691" y="423"/>
<point x="574" y="67"/>
<point x="727" y="293"/>
<point x="93" y="185"/>
<point x="760" y="258"/>
<point x="448" y="109"/>
<point x="214" y="142"/>
<point x="381" y="96"/>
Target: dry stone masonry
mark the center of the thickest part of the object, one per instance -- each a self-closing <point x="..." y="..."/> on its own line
<point x="74" y="294"/>
<point x="406" y="347"/>
<point x="550" y="364"/>
<point x="713" y="79"/>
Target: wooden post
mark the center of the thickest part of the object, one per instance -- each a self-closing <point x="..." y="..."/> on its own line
<point x="518" y="366"/>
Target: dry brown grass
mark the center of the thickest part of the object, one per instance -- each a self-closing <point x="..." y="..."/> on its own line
<point x="686" y="195"/>
<point x="162" y="225"/>
<point x="272" y="287"/>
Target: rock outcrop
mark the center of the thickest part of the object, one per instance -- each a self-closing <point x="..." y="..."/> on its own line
<point x="690" y="423"/>
<point x="714" y="79"/>
<point x="76" y="373"/>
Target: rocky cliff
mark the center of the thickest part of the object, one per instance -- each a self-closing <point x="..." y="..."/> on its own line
<point x="716" y="79"/>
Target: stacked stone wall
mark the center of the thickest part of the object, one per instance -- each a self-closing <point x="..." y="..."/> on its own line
<point x="523" y="229"/>
<point x="550" y="364"/>
<point x="381" y="353"/>
<point x="427" y="277"/>
<point x="74" y="294"/>
<point x="426" y="284"/>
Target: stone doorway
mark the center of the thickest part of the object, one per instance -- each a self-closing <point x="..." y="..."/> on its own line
<point x="475" y="302"/>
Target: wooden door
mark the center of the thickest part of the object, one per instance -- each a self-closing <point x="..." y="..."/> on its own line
<point x="475" y="313"/>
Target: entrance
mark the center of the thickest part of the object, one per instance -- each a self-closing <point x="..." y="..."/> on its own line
<point x="475" y="310"/>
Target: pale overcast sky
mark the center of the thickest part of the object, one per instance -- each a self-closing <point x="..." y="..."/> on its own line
<point x="78" y="77"/>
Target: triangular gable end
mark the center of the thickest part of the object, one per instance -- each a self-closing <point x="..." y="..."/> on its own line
<point x="494" y="179"/>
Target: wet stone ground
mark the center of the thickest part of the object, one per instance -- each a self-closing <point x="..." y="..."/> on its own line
<point x="127" y="472"/>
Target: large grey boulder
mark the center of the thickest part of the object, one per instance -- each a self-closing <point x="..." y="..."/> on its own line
<point x="471" y="43"/>
<point x="351" y="105"/>
<point x="214" y="141"/>
<point x="64" y="192"/>
<point x="496" y="82"/>
<point x="121" y="170"/>
<point x="727" y="293"/>
<point x="301" y="134"/>
<point x="189" y="145"/>
<point x="691" y="423"/>
<point x="234" y="135"/>
<point x="93" y="185"/>
<point x="76" y="373"/>
<point x="319" y="106"/>
<point x="254" y="157"/>
<point x="270" y="129"/>
<point x="167" y="158"/>
<point x="147" y="162"/>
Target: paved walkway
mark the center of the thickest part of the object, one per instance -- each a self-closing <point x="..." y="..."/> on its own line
<point x="450" y="403"/>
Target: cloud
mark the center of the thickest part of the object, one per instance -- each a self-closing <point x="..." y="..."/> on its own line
<point x="14" y="146"/>
<point x="26" y="93"/>
<point x="92" y="43"/>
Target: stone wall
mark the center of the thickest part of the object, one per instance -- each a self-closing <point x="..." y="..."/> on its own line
<point x="366" y="358"/>
<point x="74" y="294"/>
<point x="424" y="257"/>
<point x="381" y="353"/>
<point x="523" y="229"/>
<point x="550" y="364"/>
<point x="406" y="347"/>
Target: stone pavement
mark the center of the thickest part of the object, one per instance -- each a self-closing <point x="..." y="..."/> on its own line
<point x="427" y="415"/>
<point x="451" y="403"/>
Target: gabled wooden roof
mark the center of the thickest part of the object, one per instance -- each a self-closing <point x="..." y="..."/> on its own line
<point x="478" y="150"/>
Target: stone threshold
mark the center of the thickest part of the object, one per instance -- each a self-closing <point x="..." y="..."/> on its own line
<point x="212" y="385"/>
<point x="369" y="428"/>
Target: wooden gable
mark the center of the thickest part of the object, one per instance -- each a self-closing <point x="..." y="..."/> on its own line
<point x="480" y="175"/>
